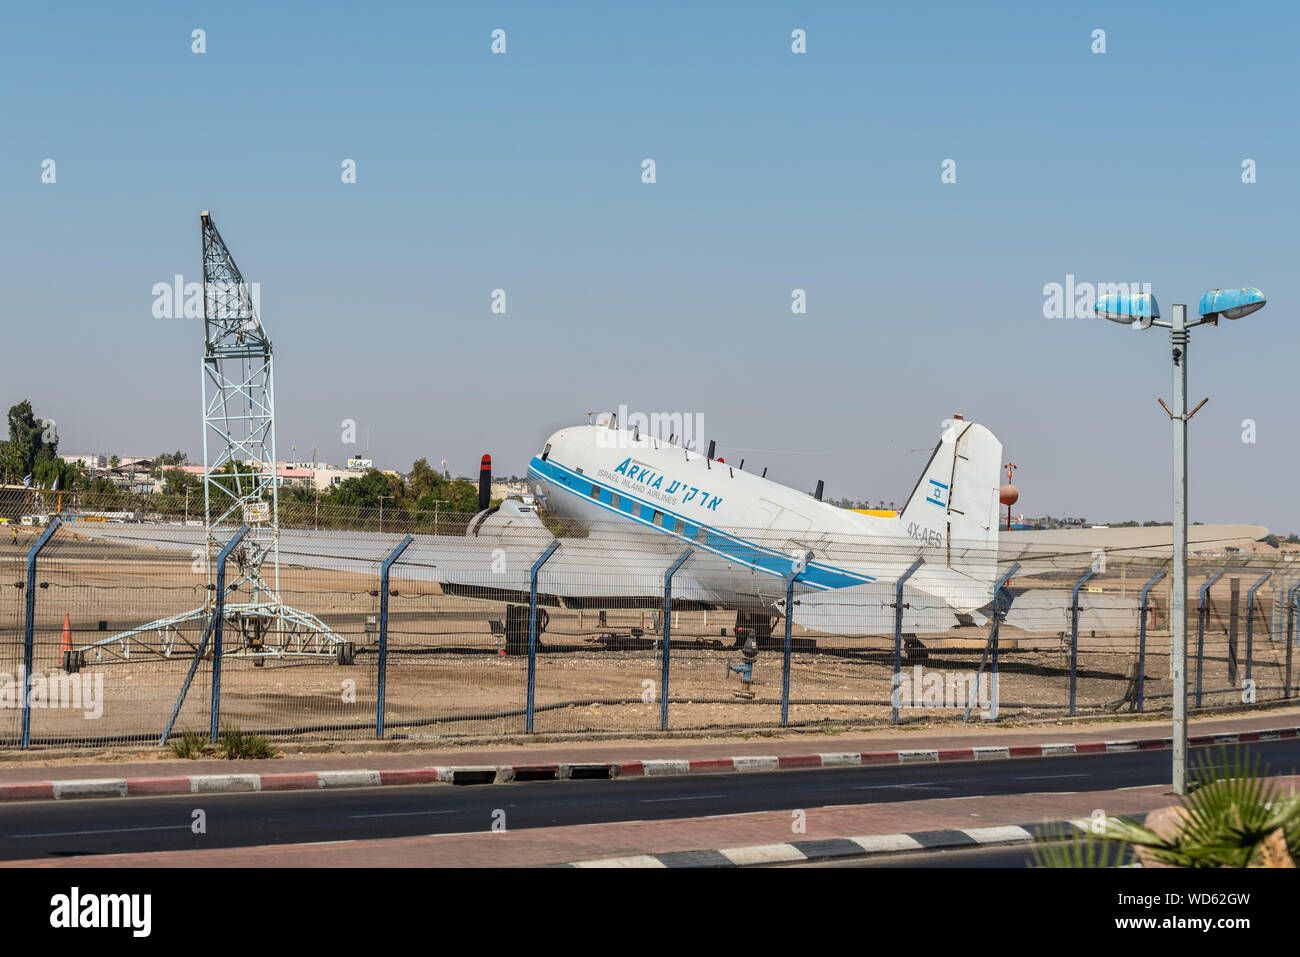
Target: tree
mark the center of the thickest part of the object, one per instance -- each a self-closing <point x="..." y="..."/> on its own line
<point x="178" y="482"/>
<point x="26" y="441"/>
<point x="458" y="496"/>
<point x="33" y="449"/>
<point x="427" y="489"/>
<point x="362" y="491"/>
<point x="424" y="480"/>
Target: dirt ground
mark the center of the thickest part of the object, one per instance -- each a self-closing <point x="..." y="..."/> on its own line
<point x="446" y="676"/>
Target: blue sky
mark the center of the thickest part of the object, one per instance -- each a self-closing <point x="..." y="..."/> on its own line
<point x="775" y="171"/>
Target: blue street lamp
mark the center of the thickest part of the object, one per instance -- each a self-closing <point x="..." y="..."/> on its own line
<point x="1141" y="310"/>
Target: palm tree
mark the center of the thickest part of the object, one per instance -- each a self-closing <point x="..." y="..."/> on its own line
<point x="1233" y="817"/>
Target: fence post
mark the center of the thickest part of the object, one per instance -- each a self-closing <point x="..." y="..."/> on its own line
<point x="383" y="631"/>
<point x="668" y="616"/>
<point x="1250" y="621"/>
<point x="219" y="613"/>
<point x="898" y="637"/>
<point x="532" y="630"/>
<point x="1143" y="612"/>
<point x="1286" y="686"/>
<point x="1074" y="637"/>
<point x="1202" y="612"/>
<point x="29" y="627"/>
<point x="992" y="643"/>
<point x="796" y="569"/>
<point x="1281" y="588"/>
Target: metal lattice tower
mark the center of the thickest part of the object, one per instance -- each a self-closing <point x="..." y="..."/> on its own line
<point x="240" y="482"/>
<point x="239" y="465"/>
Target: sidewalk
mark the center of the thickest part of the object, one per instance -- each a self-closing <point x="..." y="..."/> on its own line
<point x="609" y="759"/>
<point x="902" y="826"/>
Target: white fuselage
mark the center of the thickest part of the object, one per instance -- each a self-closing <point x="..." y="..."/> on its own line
<point x="607" y="478"/>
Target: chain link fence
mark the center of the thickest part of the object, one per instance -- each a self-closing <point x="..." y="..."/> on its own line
<point x="414" y="626"/>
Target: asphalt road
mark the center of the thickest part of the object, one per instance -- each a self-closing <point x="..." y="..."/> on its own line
<point x="127" y="825"/>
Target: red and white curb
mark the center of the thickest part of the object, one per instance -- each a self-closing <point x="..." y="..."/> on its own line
<point x="501" y="774"/>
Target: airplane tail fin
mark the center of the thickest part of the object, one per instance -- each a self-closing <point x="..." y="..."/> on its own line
<point x="953" y="511"/>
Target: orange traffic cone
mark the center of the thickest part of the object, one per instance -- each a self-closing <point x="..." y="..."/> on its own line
<point x="67" y="633"/>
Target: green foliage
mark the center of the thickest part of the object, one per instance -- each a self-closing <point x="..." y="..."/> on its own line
<point x="1230" y="814"/>
<point x="363" y="491"/>
<point x="1064" y="849"/>
<point x="236" y="745"/>
<point x="460" y="495"/>
<point x="191" y="744"/>
<point x="178" y="482"/>
<point x="33" y="449"/>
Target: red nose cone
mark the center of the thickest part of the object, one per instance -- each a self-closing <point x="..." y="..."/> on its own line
<point x="486" y="463"/>
<point x="1008" y="495"/>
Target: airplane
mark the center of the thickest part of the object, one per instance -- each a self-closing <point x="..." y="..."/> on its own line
<point x="631" y="505"/>
<point x="747" y="533"/>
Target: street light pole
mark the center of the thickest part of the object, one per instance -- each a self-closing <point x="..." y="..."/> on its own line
<point x="1141" y="311"/>
<point x="1178" y="338"/>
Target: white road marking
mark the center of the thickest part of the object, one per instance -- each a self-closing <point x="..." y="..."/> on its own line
<point x="1044" y="777"/>
<point x="402" y="813"/>
<point x="878" y="787"/>
<point x="107" y="830"/>
<point x="701" y="797"/>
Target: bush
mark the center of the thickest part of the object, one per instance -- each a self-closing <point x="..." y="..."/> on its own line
<point x="235" y="745"/>
<point x="191" y="744"/>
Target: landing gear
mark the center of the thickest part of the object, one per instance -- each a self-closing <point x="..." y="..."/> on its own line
<point x="517" y="628"/>
<point x="914" y="651"/>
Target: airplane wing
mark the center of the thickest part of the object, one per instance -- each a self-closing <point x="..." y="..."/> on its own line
<point x="493" y="560"/>
<point x="1140" y="542"/>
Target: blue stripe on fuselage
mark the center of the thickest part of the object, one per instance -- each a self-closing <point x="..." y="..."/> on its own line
<point x="721" y="543"/>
